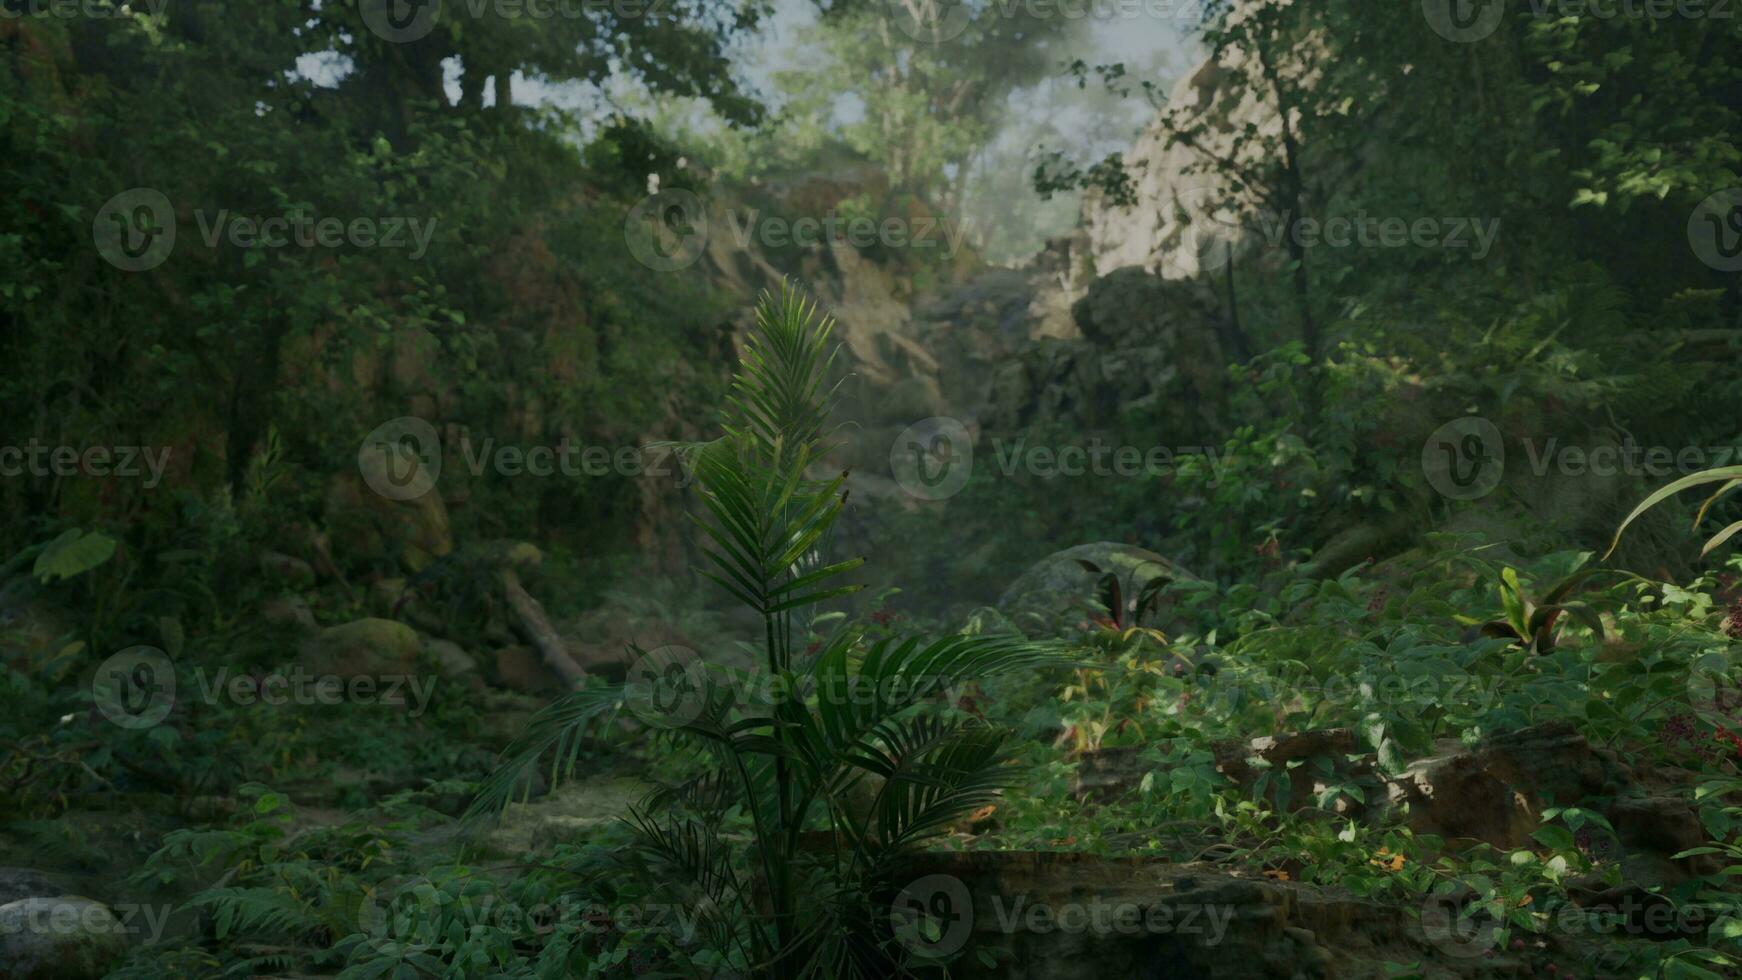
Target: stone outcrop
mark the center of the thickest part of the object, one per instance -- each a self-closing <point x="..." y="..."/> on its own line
<point x="48" y="935"/>
<point x="1053" y="595"/>
<point x="1185" y="222"/>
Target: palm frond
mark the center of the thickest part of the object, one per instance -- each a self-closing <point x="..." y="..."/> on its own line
<point x="895" y="675"/>
<point x="963" y="772"/>
<point x="691" y="852"/>
<point x="559" y="726"/>
<point x="778" y="397"/>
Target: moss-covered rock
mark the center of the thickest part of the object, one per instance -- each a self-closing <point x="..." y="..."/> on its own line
<point x="366" y="647"/>
<point x="1055" y="593"/>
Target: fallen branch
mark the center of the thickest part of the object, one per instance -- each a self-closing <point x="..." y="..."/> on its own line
<point x="532" y="621"/>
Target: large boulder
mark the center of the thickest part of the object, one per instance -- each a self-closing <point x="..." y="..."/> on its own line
<point x="1056" y="593"/>
<point x="571" y="810"/>
<point x="61" y="937"/>
<point x="1496" y="791"/>
<point x="1128" y="307"/>
<point x="451" y="659"/>
<point x="365" y="647"/>
<point x="17" y="883"/>
<point x="1149" y="346"/>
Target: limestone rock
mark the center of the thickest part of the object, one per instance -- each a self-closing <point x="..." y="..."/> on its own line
<point x="62" y="937"/>
<point x="1184" y="222"/>
<point x="1053" y="594"/>
<point x="450" y="658"/>
<point x="570" y="810"/>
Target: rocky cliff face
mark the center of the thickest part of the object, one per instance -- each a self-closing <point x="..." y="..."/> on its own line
<point x="1182" y="224"/>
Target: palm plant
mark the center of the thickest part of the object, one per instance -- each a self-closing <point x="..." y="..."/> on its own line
<point x="841" y="762"/>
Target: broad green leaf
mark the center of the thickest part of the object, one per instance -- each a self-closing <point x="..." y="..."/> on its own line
<point x="73" y="553"/>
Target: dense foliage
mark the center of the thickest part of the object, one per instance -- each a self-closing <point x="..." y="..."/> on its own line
<point x="622" y="766"/>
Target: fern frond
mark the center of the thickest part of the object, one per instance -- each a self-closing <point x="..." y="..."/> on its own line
<point x="256" y="910"/>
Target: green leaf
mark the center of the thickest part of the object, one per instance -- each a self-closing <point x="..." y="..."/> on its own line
<point x="1721" y="474"/>
<point x="1554" y="837"/>
<point x="1721" y="537"/>
<point x="1681" y="969"/>
<point x="73" y="553"/>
